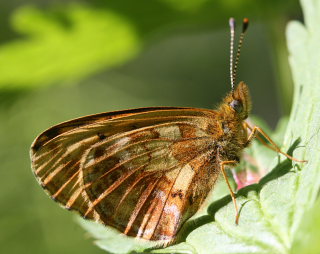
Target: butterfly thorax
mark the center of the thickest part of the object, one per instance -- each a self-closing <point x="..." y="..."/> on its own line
<point x="232" y="141"/>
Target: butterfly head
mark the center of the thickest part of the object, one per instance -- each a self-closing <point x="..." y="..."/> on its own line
<point x="237" y="103"/>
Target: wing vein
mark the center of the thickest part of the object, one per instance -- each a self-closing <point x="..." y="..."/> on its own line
<point x="143" y="198"/>
<point x="115" y="185"/>
<point x="167" y="197"/>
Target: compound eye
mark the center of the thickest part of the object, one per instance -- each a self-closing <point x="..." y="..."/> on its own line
<point x="237" y="106"/>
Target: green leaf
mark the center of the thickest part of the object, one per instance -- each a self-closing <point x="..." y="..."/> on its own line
<point x="306" y="239"/>
<point x="111" y="240"/>
<point x="66" y="43"/>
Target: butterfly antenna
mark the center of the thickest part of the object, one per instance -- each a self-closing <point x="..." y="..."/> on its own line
<point x="232" y="24"/>
<point x="245" y="25"/>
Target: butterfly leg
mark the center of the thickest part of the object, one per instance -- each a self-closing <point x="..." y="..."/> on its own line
<point x="222" y="165"/>
<point x="255" y="130"/>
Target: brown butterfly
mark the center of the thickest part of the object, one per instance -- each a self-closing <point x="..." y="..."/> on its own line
<point x="145" y="171"/>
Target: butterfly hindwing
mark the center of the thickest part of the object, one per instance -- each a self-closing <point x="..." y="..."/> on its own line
<point x="138" y="171"/>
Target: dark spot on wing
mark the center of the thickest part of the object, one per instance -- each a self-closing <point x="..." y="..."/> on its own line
<point x="134" y="126"/>
<point x="177" y="194"/>
<point x="212" y="129"/>
<point x="190" y="199"/>
<point x="36" y="147"/>
<point x="52" y="132"/>
<point x="98" y="152"/>
<point x="101" y="136"/>
<point x="45" y="137"/>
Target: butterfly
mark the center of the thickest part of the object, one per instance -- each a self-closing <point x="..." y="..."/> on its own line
<point x="145" y="171"/>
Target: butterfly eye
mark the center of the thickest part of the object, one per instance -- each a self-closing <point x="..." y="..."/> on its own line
<point x="237" y="106"/>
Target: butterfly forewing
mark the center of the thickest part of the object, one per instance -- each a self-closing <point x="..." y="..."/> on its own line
<point x="140" y="171"/>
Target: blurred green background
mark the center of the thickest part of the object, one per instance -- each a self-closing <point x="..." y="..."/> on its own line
<point x="65" y="59"/>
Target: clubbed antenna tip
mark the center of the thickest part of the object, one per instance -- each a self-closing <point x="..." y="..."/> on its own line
<point x="245" y="24"/>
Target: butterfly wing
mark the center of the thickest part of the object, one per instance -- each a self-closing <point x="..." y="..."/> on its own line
<point x="142" y="171"/>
